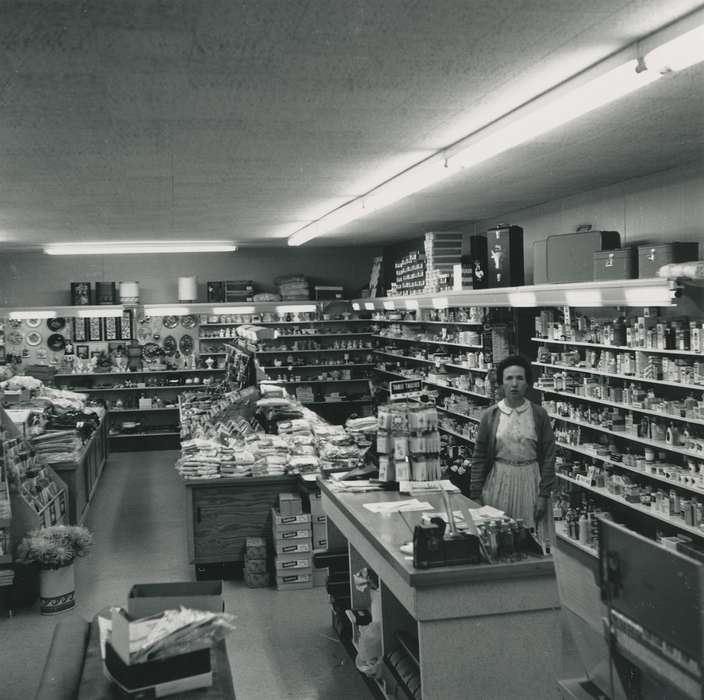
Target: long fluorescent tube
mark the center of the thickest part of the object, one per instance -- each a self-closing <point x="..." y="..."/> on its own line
<point x="166" y="310"/>
<point x="139" y="247"/>
<point x="24" y="315"/>
<point x="100" y="313"/>
<point x="532" y="119"/>
<point x="232" y="310"/>
<point x="296" y="308"/>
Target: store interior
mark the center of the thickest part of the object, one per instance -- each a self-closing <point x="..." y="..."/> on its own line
<point x="260" y="266"/>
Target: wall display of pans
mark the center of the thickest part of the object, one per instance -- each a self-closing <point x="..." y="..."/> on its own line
<point x="169" y="321"/>
<point x="33" y="322"/>
<point x="189" y="321"/>
<point x="15" y="338"/>
<point x="33" y="338"/>
<point x="151" y="351"/>
<point x="56" y="342"/>
<point x="186" y="344"/>
<point x="170" y="345"/>
<point x="56" y="324"/>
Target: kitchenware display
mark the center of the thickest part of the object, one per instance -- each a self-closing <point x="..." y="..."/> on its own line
<point x="33" y="322"/>
<point x="144" y="333"/>
<point x="42" y="354"/>
<point x="151" y="351"/>
<point x="169" y="321"/>
<point x="55" y="324"/>
<point x="188" y="321"/>
<point x="81" y="293"/>
<point x="15" y="338"/>
<point x="14" y="323"/>
<point x="170" y="345"/>
<point x="186" y="344"/>
<point x="56" y="342"/>
<point x="33" y="338"/>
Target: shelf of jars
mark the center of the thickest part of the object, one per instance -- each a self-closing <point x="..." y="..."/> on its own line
<point x="623" y="348"/>
<point x="428" y="341"/>
<point x="324" y="365"/>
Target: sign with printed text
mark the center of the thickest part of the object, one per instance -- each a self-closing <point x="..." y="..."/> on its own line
<point x="405" y="389"/>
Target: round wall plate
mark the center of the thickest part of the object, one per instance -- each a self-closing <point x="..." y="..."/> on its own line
<point x="56" y="342"/>
<point x="170" y="345"/>
<point x="33" y="338"/>
<point x="55" y="324"/>
<point x="186" y="344"/>
<point x="33" y="322"/>
<point x="170" y="321"/>
<point x="14" y="323"/>
<point x="188" y="321"/>
<point x="150" y="351"/>
<point x="15" y="338"/>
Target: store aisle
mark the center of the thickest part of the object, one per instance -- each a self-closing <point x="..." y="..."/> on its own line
<point x="283" y="648"/>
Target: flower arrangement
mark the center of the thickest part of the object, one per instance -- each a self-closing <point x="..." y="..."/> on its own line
<point x="55" y="546"/>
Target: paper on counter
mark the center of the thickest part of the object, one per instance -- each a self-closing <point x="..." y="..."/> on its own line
<point x="428" y="486"/>
<point x="486" y="513"/>
<point x="395" y="506"/>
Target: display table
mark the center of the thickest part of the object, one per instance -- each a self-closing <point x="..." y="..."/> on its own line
<point x="81" y="476"/>
<point x="485" y="631"/>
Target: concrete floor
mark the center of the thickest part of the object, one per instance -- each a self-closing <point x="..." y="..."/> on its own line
<point x="284" y="646"/>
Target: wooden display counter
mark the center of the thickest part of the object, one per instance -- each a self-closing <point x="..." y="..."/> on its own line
<point x="81" y="477"/>
<point x="222" y="513"/>
<point x="484" y="631"/>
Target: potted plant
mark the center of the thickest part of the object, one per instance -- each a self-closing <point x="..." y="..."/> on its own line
<point x="54" y="549"/>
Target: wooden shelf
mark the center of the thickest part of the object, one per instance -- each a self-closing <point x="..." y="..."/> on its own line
<point x="293" y="352"/>
<point x="466" y="438"/>
<point x="469" y="324"/>
<point x="428" y="342"/>
<point x="606" y="460"/>
<point x="629" y="436"/>
<point x="314" y="381"/>
<point x="460" y="391"/>
<point x="113" y="411"/>
<point x="620" y="348"/>
<point x="623" y="406"/>
<point x="145" y="372"/>
<point x="627" y="377"/>
<point x="677" y="523"/>
<point x="290" y="368"/>
<point x="459" y="415"/>
<point x="306" y="336"/>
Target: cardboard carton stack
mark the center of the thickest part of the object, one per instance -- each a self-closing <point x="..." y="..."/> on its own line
<point x="292" y="541"/>
<point x="320" y="536"/>
<point x="443" y="250"/>
<point x="256" y="574"/>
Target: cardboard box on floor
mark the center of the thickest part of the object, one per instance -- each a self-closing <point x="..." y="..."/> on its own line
<point x="146" y="599"/>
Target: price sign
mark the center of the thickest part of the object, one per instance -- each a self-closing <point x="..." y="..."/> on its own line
<point x="405" y="389"/>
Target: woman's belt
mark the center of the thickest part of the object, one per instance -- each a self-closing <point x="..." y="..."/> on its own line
<point x="521" y="463"/>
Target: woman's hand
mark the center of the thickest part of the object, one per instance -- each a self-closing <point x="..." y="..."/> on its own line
<point x="540" y="508"/>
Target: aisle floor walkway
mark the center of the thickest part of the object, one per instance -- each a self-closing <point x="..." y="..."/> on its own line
<point x="284" y="646"/>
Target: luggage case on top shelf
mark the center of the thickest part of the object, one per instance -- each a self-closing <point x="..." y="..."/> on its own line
<point x="505" y="256"/>
<point x="652" y="257"/>
<point x="618" y="264"/>
<point x="569" y="257"/>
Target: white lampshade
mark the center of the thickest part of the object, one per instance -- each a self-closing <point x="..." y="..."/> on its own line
<point x="129" y="292"/>
<point x="187" y="289"/>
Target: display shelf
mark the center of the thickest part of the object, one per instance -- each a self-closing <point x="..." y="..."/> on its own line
<point x="629" y="292"/>
<point x="468" y="324"/>
<point x="288" y="323"/>
<point x="460" y="391"/>
<point x="677" y="523"/>
<point x="335" y="403"/>
<point x="306" y="336"/>
<point x="396" y="374"/>
<point x="149" y="372"/>
<point x="286" y="351"/>
<point x="290" y="368"/>
<point x="658" y="444"/>
<point x="143" y="410"/>
<point x="576" y="543"/>
<point x="386" y="353"/>
<point x="606" y="460"/>
<point x="620" y="348"/>
<point x="628" y="377"/>
<point x="428" y="342"/>
<point x="466" y="438"/>
<point x="481" y="370"/>
<point x="623" y="406"/>
<point x="459" y="415"/>
<point x="160" y="433"/>
<point x="172" y="387"/>
<point x="315" y="381"/>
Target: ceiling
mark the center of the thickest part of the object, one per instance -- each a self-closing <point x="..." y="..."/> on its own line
<point x="245" y="120"/>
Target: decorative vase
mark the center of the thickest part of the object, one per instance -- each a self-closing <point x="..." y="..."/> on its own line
<point x="57" y="590"/>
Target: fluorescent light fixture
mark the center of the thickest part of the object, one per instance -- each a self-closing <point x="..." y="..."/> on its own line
<point x="225" y="310"/>
<point x="584" y="297"/>
<point x="679" y="53"/>
<point x="649" y="296"/>
<point x="440" y="302"/>
<point x="296" y="308"/>
<point x="557" y="105"/>
<point x="139" y="247"/>
<point x="389" y="305"/>
<point x="369" y="305"/>
<point x="411" y="304"/>
<point x="522" y="299"/>
<point x="23" y="315"/>
<point x="156" y="310"/>
<point x="97" y="312"/>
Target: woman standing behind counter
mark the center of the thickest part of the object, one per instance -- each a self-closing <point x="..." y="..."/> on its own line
<point x="513" y="464"/>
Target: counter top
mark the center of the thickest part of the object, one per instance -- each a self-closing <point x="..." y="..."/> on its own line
<point x="388" y="532"/>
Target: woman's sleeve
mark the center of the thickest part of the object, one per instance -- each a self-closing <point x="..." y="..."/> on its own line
<point x="547" y="453"/>
<point x="480" y="457"/>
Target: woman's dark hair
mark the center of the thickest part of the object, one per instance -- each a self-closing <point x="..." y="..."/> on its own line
<point x="514" y="360"/>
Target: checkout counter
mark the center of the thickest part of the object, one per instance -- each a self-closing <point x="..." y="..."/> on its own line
<point x="473" y="630"/>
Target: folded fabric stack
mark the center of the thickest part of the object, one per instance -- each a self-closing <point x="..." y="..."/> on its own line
<point x="253" y="334"/>
<point x="293" y="287"/>
<point x="57" y="446"/>
<point x="266" y="296"/>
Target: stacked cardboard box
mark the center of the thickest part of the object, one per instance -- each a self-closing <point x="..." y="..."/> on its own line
<point x="442" y="251"/>
<point x="292" y="540"/>
<point x="320" y="537"/>
<point x="256" y="574"/>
